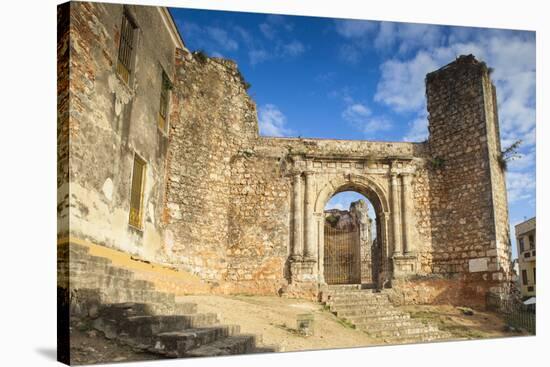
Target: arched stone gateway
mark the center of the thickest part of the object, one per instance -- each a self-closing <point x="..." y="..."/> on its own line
<point x="385" y="181"/>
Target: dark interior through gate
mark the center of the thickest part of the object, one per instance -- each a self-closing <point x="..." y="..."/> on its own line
<point x="351" y="253"/>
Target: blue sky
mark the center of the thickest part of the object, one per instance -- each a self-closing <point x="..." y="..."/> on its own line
<point x="353" y="79"/>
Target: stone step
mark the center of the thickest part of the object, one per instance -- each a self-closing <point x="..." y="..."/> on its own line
<point x="179" y="343"/>
<point x="359" y="301"/>
<point x="369" y="313"/>
<point x="116" y="295"/>
<point x="83" y="268"/>
<point x="239" y="344"/>
<point x="358" y="296"/>
<point x="141" y="329"/>
<point x="77" y="256"/>
<point x="418" y="338"/>
<point x="400" y="331"/>
<point x="127" y="309"/>
<point x="63" y="250"/>
<point x="118" y="292"/>
<point x="357" y="304"/>
<point x="391" y="325"/>
<point x="151" y="325"/>
<point x="92" y="273"/>
<point x="350" y="291"/>
<point x="338" y="287"/>
<point x="371" y="320"/>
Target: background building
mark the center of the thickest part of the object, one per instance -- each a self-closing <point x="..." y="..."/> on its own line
<point x="527" y="256"/>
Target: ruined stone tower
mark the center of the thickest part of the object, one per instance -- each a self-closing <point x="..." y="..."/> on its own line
<point x="469" y="207"/>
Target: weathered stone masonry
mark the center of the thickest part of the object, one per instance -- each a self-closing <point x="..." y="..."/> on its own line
<point x="245" y="212"/>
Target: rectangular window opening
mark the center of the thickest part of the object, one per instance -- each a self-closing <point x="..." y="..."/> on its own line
<point x="524" y="276"/>
<point x="126" y="48"/>
<point x="163" y="108"/>
<point x="521" y="245"/>
<point x="136" y="194"/>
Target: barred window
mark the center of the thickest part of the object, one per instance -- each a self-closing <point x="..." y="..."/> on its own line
<point x="163" y="110"/>
<point x="126" y="48"/>
<point x="136" y="194"/>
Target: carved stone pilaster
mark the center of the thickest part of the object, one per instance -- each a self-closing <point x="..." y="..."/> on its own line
<point x="309" y="221"/>
<point x="408" y="246"/>
<point x="397" y="249"/>
<point x="296" y="253"/>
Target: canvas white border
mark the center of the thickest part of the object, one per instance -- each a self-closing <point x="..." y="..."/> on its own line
<point x="28" y="188"/>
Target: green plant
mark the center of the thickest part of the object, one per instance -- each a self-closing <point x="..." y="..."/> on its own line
<point x="437" y="162"/>
<point x="332" y="220"/>
<point x="246" y="85"/>
<point x="509" y="154"/>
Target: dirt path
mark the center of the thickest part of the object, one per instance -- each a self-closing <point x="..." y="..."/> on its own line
<point x="274" y="319"/>
<point x="480" y="324"/>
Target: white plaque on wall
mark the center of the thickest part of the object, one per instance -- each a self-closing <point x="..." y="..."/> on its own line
<point x="479" y="264"/>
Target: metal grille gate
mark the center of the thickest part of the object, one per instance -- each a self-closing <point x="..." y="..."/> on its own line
<point x="342" y="256"/>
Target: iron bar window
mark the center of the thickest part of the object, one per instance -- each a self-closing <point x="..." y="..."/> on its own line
<point x="126" y="48"/>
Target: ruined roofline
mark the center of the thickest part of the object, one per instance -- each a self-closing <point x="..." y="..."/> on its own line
<point x="347" y="157"/>
<point x="283" y="138"/>
<point x="459" y="61"/>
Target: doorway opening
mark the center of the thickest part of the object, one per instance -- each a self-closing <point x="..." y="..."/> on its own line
<point x="351" y="251"/>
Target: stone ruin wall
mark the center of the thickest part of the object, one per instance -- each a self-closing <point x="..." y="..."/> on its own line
<point x="212" y="119"/>
<point x="454" y="224"/>
<point x="219" y="197"/>
<point x="264" y="188"/>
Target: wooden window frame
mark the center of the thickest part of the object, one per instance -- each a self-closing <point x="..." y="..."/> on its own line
<point x="164" y="102"/>
<point x="524" y="278"/>
<point x="126" y="47"/>
<point x="135" y="217"/>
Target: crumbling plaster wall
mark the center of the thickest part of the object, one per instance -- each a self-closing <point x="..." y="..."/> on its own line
<point x="110" y="121"/>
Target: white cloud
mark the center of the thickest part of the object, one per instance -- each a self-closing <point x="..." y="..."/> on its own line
<point x="267" y="30"/>
<point x="272" y="121"/>
<point x="408" y="36"/>
<point x="333" y="205"/>
<point x="293" y="48"/>
<point x="222" y="38"/>
<point x="360" y="116"/>
<point x="258" y="56"/>
<point x="354" y="28"/>
<point x="401" y="85"/>
<point x="210" y="36"/>
<point x="521" y="186"/>
<point x="350" y="53"/>
<point x="356" y="112"/>
<point x="418" y="130"/>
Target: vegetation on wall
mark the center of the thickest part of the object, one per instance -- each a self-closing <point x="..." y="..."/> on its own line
<point x="509" y="154"/>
